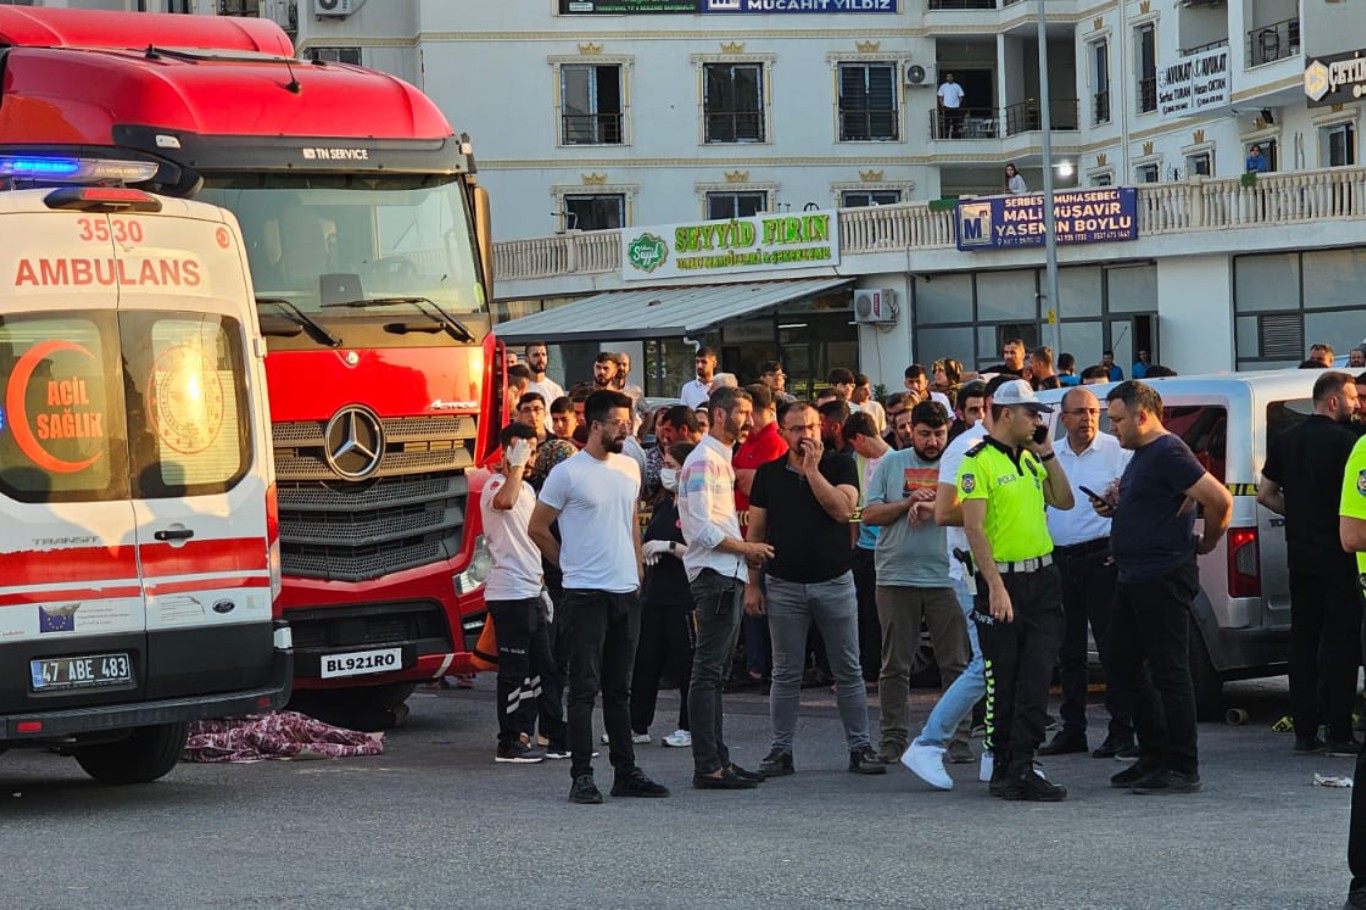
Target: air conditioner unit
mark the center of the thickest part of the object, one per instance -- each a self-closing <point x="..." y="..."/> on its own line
<point x="921" y="74"/>
<point x="336" y="8"/>
<point x="875" y="305"/>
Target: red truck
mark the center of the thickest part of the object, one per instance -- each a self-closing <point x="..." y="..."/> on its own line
<point x="370" y="255"/>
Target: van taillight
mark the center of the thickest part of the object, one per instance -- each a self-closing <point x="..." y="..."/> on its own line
<point x="1244" y="563"/>
<point x="273" y="542"/>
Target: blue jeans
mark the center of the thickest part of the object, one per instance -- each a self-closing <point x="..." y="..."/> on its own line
<point x="832" y="605"/>
<point x="957" y="702"/>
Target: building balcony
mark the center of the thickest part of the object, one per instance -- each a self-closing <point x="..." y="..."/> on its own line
<point x="995" y="123"/>
<point x="1194" y="207"/>
<point x="1276" y="41"/>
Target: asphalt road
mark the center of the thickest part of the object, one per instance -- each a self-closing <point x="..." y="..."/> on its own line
<point x="435" y="823"/>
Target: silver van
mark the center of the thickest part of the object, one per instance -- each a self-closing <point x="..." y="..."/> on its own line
<point x="1241" y="618"/>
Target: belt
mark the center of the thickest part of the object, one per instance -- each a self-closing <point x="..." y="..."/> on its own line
<point x="1083" y="549"/>
<point x="1025" y="565"/>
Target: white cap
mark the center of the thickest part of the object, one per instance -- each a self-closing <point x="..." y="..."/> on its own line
<point x="1018" y="392"/>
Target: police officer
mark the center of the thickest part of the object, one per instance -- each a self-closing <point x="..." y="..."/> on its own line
<point x="1004" y="484"/>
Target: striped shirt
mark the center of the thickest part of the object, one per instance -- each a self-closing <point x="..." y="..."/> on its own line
<point x="706" y="505"/>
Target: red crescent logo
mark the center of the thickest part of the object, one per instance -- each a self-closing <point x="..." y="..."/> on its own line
<point x="15" y="405"/>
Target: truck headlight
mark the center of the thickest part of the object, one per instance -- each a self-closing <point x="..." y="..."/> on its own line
<point x="477" y="572"/>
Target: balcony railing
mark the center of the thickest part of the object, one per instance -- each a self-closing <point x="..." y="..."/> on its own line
<point x="735" y="126"/>
<point x="1196" y="206"/>
<point x="592" y="129"/>
<point x="1147" y="94"/>
<point x="1028" y="115"/>
<point x="965" y="123"/>
<point x="869" y="126"/>
<point x="1273" y="42"/>
<point x="1100" y="107"/>
<point x="1207" y="46"/>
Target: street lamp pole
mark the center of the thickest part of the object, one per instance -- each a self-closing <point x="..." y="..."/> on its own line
<point x="1050" y="238"/>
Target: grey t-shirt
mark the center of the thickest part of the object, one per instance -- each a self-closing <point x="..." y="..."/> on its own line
<point x="906" y="556"/>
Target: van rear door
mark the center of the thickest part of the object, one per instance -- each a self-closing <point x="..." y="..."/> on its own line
<point x="72" y="615"/>
<point x="200" y="465"/>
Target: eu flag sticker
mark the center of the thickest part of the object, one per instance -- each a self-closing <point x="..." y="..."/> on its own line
<point x="58" y="618"/>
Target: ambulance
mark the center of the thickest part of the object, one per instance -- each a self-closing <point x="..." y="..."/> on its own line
<point x="139" y="537"/>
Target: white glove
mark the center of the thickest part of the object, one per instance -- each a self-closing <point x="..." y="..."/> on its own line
<point x="653" y="550"/>
<point x="519" y="453"/>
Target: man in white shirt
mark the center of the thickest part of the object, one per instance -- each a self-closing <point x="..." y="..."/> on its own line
<point x="1081" y="548"/>
<point x="537" y="359"/>
<point x="696" y="391"/>
<point x="950" y="104"/>
<point x="715" y="563"/>
<point x="528" y="678"/>
<point x="593" y="495"/>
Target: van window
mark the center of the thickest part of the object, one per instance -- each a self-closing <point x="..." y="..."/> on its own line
<point x="1282" y="415"/>
<point x="187" y="403"/>
<point x="62" y="436"/>
<point x="1204" y="428"/>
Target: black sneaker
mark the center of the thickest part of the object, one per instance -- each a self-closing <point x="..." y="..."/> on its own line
<point x="1000" y="778"/>
<point x="1347" y="748"/>
<point x="635" y="783"/>
<point x="866" y="761"/>
<point x="1168" y="781"/>
<point x="1132" y="774"/>
<point x="1065" y="743"/>
<point x="1029" y="785"/>
<point x="1356" y="900"/>
<point x="727" y="780"/>
<point x="744" y="774"/>
<point x="584" y="791"/>
<point x="518" y="753"/>
<point x="777" y="764"/>
<point x="1308" y="745"/>
<point x="1113" y="746"/>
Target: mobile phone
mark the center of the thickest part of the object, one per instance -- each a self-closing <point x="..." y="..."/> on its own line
<point x="1040" y="434"/>
<point x="1094" y="495"/>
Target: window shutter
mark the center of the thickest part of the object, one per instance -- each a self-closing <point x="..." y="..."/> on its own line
<point x="1280" y="336"/>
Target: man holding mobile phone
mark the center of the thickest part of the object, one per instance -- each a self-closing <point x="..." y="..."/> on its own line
<point x="1081" y="545"/>
<point x="1004" y="483"/>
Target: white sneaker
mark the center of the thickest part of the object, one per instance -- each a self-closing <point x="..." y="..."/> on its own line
<point x="639" y="739"/>
<point x="927" y="763"/>
<point x="678" y="739"/>
<point x="988" y="765"/>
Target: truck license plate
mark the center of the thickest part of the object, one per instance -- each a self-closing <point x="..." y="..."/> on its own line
<point x="359" y="663"/>
<point x="51" y="674"/>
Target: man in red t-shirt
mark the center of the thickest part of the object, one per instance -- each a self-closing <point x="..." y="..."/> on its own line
<point x="763" y="445"/>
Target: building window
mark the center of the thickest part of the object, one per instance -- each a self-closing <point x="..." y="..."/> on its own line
<point x="1200" y="164"/>
<point x="1104" y="178"/>
<point x="733" y="102"/>
<point x="594" y="212"/>
<point x="1145" y="44"/>
<point x="1147" y="173"/>
<point x="1100" y="81"/>
<point x="348" y="55"/>
<point x="735" y="205"/>
<point x="590" y="105"/>
<point x="1338" y="145"/>
<point x="868" y="102"/>
<point x="858" y="199"/>
<point x="237" y="7"/>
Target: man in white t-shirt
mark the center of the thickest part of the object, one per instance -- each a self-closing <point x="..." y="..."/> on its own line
<point x="537" y="359"/>
<point x="950" y="104"/>
<point x="593" y="495"/>
<point x="528" y="677"/>
<point x="696" y="392"/>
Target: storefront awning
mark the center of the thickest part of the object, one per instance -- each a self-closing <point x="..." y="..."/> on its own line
<point x="659" y="312"/>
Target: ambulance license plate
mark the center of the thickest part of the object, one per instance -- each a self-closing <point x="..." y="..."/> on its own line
<point x="54" y="673"/>
<point x="359" y="663"/>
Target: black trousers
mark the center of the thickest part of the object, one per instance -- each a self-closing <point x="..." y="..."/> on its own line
<point x="1088" y="598"/>
<point x="602" y="629"/>
<point x="718" y="604"/>
<point x="528" y="678"/>
<point x="1152" y="627"/>
<point x="1325" y="651"/>
<point x="665" y="648"/>
<point x="1018" y="657"/>
<point x="1356" y="833"/>
<point x="869" y="626"/>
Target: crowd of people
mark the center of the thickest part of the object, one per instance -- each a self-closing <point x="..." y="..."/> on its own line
<point x="826" y="533"/>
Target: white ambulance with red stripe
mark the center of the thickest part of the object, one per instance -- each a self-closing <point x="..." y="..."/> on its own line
<point x="139" y="556"/>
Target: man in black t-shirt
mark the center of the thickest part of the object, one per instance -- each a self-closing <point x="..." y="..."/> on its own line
<point x="1154" y="546"/>
<point x="801" y="504"/>
<point x="1302" y="480"/>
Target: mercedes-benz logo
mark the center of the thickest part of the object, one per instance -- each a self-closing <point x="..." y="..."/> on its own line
<point x="354" y="442"/>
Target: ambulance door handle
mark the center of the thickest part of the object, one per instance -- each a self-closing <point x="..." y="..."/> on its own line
<point x="174" y="534"/>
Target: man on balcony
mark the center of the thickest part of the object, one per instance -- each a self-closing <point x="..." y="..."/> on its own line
<point x="1256" y="161"/>
<point x="950" y="108"/>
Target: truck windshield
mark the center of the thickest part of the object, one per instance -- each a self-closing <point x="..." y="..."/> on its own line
<point x="315" y="239"/>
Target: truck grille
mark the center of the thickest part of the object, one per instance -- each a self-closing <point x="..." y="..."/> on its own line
<point x="375" y="625"/>
<point x="409" y="513"/>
